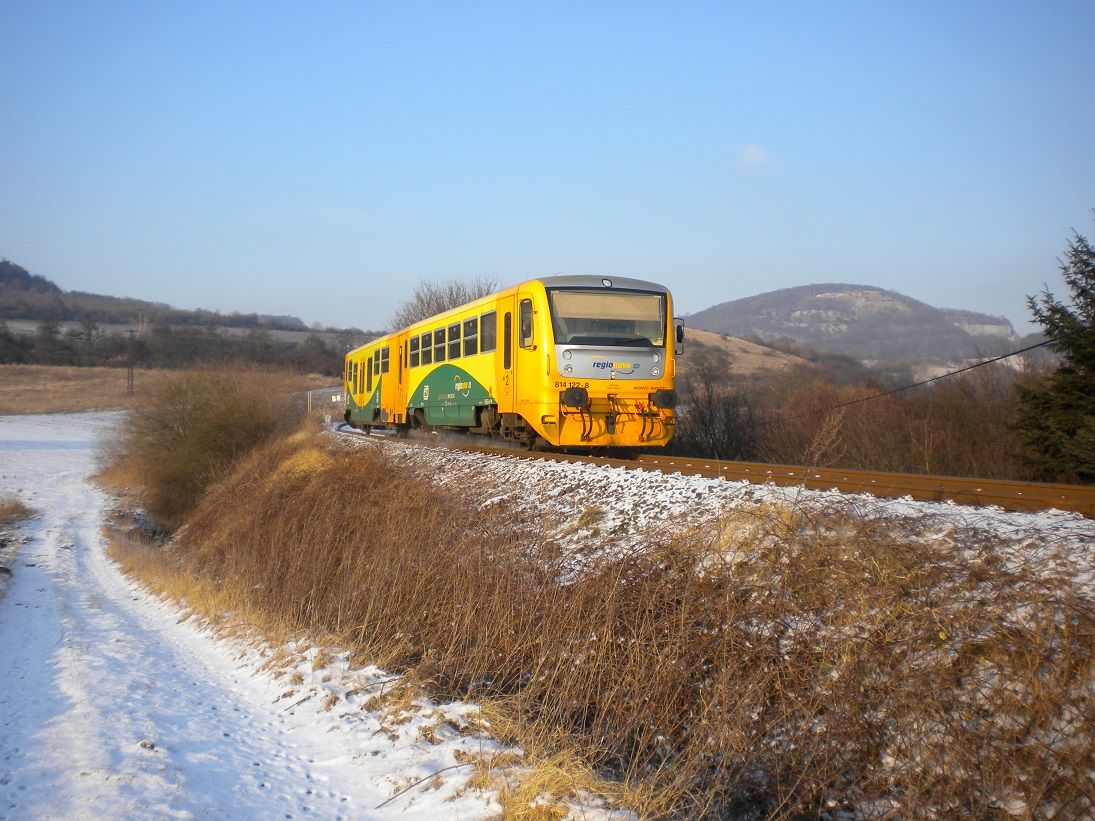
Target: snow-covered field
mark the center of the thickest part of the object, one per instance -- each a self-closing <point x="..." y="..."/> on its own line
<point x="113" y="705"/>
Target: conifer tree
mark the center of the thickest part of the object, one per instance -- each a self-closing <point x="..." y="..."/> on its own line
<point x="1057" y="420"/>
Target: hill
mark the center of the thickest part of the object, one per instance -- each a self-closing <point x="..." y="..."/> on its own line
<point x="745" y="358"/>
<point x="42" y="324"/>
<point x="29" y="296"/>
<point x="870" y="324"/>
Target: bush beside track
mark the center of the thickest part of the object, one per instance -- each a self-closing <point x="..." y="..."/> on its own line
<point x="779" y="665"/>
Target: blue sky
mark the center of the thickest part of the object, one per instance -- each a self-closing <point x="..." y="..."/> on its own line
<point x="321" y="159"/>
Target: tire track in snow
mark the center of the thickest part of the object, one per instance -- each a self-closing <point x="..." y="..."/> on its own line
<point x="111" y="707"/>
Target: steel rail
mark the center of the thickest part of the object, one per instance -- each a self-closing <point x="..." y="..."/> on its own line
<point x="1007" y="494"/>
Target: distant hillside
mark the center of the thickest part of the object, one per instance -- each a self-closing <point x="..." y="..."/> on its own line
<point x="29" y="296"/>
<point x="870" y="324"/>
<point x="745" y="358"/>
<point x="41" y="324"/>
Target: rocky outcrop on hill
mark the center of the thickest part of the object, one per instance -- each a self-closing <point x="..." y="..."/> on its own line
<point x="871" y="324"/>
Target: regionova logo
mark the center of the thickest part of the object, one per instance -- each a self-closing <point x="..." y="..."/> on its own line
<point x="619" y="367"/>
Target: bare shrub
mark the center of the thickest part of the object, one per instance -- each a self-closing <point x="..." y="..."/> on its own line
<point x="189" y="429"/>
<point x="958" y="426"/>
<point x="791" y="663"/>
<point x="715" y="419"/>
<point x="804" y="425"/>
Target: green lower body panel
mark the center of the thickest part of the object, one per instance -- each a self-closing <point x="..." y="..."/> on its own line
<point x="364" y="413"/>
<point x="449" y="396"/>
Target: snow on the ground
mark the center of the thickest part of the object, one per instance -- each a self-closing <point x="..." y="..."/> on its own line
<point x="575" y="504"/>
<point x="114" y="705"/>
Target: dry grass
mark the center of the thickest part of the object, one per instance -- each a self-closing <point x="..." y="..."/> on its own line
<point x="746" y="358"/>
<point x="12" y="514"/>
<point x="54" y="389"/>
<point x="12" y="511"/>
<point x="57" y="389"/>
<point x="188" y="431"/>
<point x="790" y="664"/>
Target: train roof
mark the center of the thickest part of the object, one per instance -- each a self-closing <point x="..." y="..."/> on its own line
<point x="582" y="281"/>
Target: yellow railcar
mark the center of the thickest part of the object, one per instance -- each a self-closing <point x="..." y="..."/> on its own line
<point x="575" y="361"/>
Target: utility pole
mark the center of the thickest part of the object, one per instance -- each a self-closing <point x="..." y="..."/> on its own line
<point x="129" y="363"/>
<point x="131" y="354"/>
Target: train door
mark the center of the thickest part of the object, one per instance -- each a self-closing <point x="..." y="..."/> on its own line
<point x="505" y="375"/>
<point x="526" y="354"/>
<point x="397" y="404"/>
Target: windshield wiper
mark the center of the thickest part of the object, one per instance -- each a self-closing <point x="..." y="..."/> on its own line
<point x="612" y="342"/>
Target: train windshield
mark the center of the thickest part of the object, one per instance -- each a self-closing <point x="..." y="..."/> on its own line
<point x="595" y="317"/>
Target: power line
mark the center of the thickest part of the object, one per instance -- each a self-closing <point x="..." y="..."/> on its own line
<point x="923" y="381"/>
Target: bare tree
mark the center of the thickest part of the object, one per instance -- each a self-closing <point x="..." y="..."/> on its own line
<point x="716" y="419"/>
<point x="434" y="297"/>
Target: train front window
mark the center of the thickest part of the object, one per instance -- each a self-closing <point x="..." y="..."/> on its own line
<point x="620" y="318"/>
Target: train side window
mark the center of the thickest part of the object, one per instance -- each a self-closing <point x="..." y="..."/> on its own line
<point x="526" y="323"/>
<point x="427" y="348"/>
<point x="454" y="341"/>
<point x="488" y="326"/>
<point x="354" y="377"/>
<point x="439" y="345"/>
<point x="471" y="336"/>
<point x="507" y="341"/>
<point x="384" y="354"/>
<point x="369" y="375"/>
<point x="414" y="352"/>
<point x="376" y="364"/>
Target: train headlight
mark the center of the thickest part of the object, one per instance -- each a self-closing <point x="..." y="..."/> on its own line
<point x="568" y="369"/>
<point x="655" y="371"/>
<point x="656" y="357"/>
<point x="567" y="354"/>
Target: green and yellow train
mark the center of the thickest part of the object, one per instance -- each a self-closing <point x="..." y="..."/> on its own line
<point x="574" y="361"/>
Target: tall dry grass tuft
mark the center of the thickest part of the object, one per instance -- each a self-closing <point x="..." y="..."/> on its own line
<point x="188" y="430"/>
<point x="786" y="664"/>
<point x="12" y="511"/>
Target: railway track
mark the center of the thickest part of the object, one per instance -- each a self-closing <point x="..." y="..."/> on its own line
<point x="980" y="492"/>
<point x="1030" y="496"/>
<point x="1009" y="495"/>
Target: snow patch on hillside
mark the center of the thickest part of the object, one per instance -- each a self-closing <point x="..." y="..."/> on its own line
<point x="573" y="505"/>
